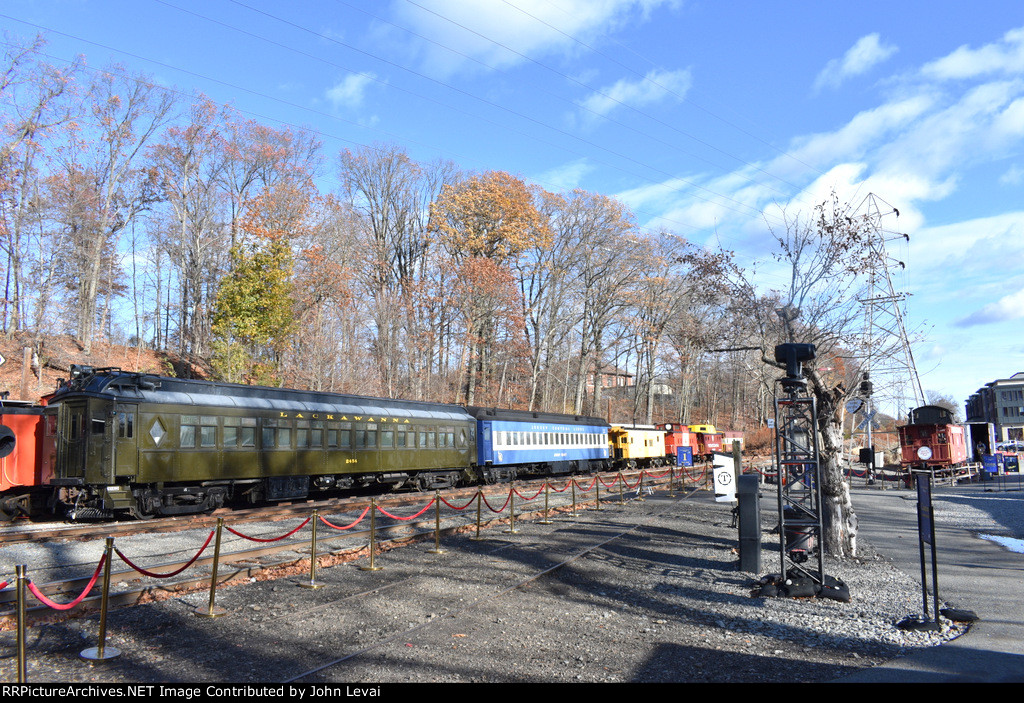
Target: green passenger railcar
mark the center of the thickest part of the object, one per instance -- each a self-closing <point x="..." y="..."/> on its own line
<point x="129" y="442"/>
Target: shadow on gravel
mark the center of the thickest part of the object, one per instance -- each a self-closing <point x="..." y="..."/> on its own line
<point x="677" y="663"/>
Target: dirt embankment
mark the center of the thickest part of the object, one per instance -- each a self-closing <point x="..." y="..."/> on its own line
<point x="34" y="364"/>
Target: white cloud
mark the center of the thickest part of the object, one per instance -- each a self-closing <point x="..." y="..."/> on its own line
<point x="1003" y="56"/>
<point x="1009" y="307"/>
<point x="1014" y="176"/>
<point x="655" y="87"/>
<point x="565" y="177"/>
<point x="504" y="33"/>
<point x="865" y="129"/>
<point x="860" y="58"/>
<point x="351" y="91"/>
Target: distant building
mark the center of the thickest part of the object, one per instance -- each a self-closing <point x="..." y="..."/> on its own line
<point x="611" y="377"/>
<point x="1000" y="402"/>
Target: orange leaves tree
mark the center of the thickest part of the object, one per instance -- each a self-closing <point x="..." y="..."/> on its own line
<point x="484" y="223"/>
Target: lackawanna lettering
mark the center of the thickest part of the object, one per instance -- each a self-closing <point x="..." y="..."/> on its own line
<point x="358" y="418"/>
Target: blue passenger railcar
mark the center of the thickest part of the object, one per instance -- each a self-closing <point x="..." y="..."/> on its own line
<point x="516" y="442"/>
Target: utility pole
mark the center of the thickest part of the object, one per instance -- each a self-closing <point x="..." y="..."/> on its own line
<point x="886" y="351"/>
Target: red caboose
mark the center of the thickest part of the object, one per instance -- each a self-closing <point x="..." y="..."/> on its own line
<point x="931" y="440"/>
<point x="21" y="466"/>
<point x="706" y="441"/>
<point x="676" y="436"/>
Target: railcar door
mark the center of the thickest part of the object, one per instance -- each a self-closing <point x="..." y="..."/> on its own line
<point x="126" y="457"/>
<point x="86" y="442"/>
<point x="71" y="440"/>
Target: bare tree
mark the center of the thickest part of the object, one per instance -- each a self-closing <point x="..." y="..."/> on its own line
<point x="33" y="105"/>
<point x="822" y="258"/>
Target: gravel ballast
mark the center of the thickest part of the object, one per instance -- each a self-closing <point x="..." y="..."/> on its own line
<point x="646" y="592"/>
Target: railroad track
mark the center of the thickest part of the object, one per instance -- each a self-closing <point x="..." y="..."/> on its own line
<point x="256" y="561"/>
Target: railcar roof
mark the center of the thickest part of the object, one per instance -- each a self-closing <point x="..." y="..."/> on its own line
<point x="132" y="387"/>
<point x="485" y="413"/>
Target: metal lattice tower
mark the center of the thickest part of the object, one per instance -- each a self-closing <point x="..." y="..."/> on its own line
<point x="886" y="352"/>
<point x="798" y="467"/>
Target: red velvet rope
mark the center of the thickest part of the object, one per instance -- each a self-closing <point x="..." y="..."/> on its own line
<point x="411" y="517"/>
<point x="68" y="606"/>
<point x="626" y="483"/>
<point x="271" y="539"/>
<point x="661" y="475"/>
<point x="585" y="489"/>
<point x="563" y="489"/>
<point x="468" y="503"/>
<point x="502" y="508"/>
<point x="350" y="525"/>
<point x="609" y="485"/>
<point x="694" y="477"/>
<point x="531" y="497"/>
<point x="172" y="573"/>
<point x="3" y="585"/>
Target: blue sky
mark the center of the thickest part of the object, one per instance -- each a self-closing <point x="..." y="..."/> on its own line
<point x="705" y="117"/>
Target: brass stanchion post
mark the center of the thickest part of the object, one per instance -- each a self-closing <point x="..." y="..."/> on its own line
<point x="479" y="500"/>
<point x="211" y="610"/>
<point x="101" y="652"/>
<point x="573" y="513"/>
<point x="597" y="492"/>
<point x="640" y="488"/>
<point x="671" y="481"/>
<point x="312" y="557"/>
<point x="545" y="521"/>
<point x="22" y="671"/>
<point x="373" y="532"/>
<point x="622" y="483"/>
<point x="512" y="510"/>
<point x="437" y="525"/>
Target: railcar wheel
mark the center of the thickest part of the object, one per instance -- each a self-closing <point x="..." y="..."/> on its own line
<point x="146" y="507"/>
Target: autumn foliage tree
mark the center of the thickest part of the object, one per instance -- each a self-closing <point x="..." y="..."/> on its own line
<point x="484" y="222"/>
<point x="254" y="315"/>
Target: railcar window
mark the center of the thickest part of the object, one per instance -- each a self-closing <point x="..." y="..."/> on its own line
<point x="302" y="438"/>
<point x="98" y="425"/>
<point x="230" y="437"/>
<point x="208" y="436"/>
<point x="400" y="439"/>
<point x="188" y="436"/>
<point x="268" y="438"/>
<point x="248" y="436"/>
<point x="125" y="425"/>
<point x="387" y="438"/>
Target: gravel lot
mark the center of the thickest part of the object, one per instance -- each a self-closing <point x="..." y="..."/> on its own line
<point x="646" y="592"/>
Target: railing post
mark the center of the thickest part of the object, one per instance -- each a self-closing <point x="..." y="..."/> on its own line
<point x="437" y="525"/>
<point x="22" y="671"/>
<point x="512" y="510"/>
<point x="545" y="521"/>
<point x="312" y="584"/>
<point x="101" y="652"/>
<point x="373" y="532"/>
<point x="212" y="611"/>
